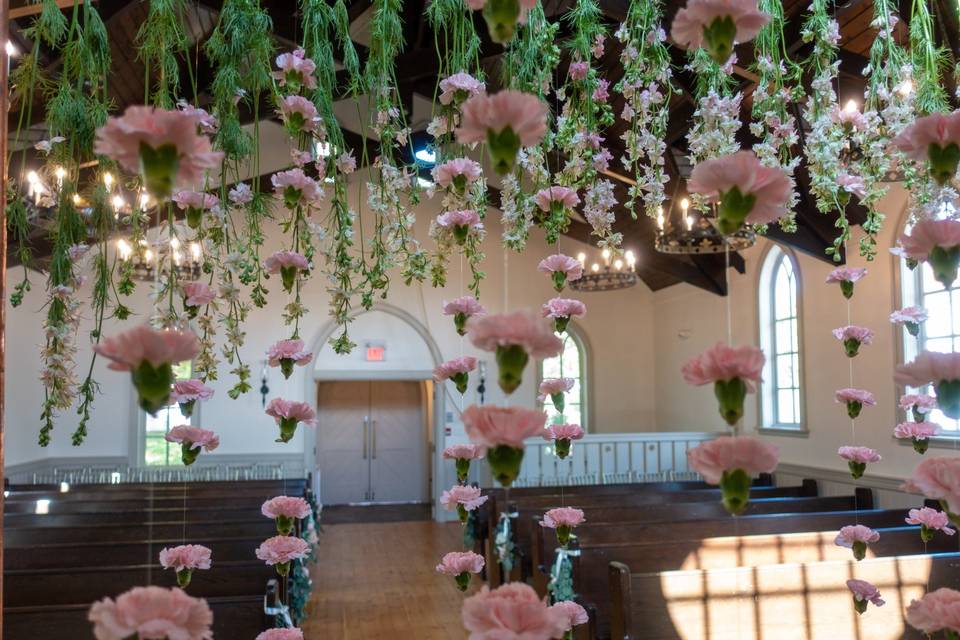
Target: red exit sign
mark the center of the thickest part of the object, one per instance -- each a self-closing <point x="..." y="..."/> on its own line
<point x="376" y="352"/>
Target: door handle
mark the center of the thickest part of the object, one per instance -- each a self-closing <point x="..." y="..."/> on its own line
<point x="365" y="425"/>
<point x="374" y="440"/>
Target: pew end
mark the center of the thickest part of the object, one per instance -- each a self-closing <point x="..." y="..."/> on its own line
<point x="620" y="615"/>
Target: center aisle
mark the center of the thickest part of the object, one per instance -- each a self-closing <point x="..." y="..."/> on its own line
<point x="377" y="581"/>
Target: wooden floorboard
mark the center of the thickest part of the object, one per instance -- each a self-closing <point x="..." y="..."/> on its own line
<point x="377" y="581"/>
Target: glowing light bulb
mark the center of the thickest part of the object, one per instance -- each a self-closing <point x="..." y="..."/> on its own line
<point x="60" y="173"/>
<point x="594" y="267"/>
<point x="11" y="49"/>
<point x="195" y="251"/>
<point x="689" y="223"/>
<point x="148" y="255"/>
<point x="176" y="257"/>
<point x="618" y="264"/>
<point x="123" y="248"/>
<point x="77" y="200"/>
<point x="660" y="220"/>
<point x="851" y="106"/>
<point x="582" y="258"/>
<point x="144" y="200"/>
<point x="118" y="202"/>
<point x="631" y="258"/>
<point x="684" y="205"/>
<point x="175" y="243"/>
<point x="108" y="180"/>
<point x="32" y="177"/>
<point x="605" y="254"/>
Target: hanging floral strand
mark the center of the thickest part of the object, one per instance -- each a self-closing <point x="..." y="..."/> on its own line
<point x="779" y="86"/>
<point x="647" y="87"/>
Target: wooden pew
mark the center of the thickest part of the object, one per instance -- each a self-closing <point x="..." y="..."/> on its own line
<point x="111" y="553"/>
<point x="157" y="487"/>
<point x="96" y="505"/>
<point x="538" y="504"/>
<point x="123" y="518"/>
<point x="795" y="600"/>
<point x="26" y="536"/>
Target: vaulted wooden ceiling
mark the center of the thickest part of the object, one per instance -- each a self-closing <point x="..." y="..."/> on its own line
<point x="417" y="70"/>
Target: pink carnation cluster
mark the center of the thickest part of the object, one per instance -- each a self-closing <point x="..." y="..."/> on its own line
<point x="856" y="533"/>
<point x="721" y="362"/>
<point x="551" y="386"/>
<point x="459" y="87"/>
<point x="465" y="218"/>
<point x="559" y="262"/>
<point x="562" y="517"/>
<point x="863" y="335"/>
<point x="916" y="430"/>
<point x="522" y="113"/>
<point x="769" y="186"/>
<point x="187" y="556"/>
<point x="726" y="453"/>
<point x="937" y="610"/>
<point x="197" y="294"/>
<point x="151" y="612"/>
<point x="519" y="328"/>
<point x="915" y="315"/>
<point x="855" y="395"/>
<point x="846" y="274"/>
<point x="457" y="562"/>
<point x="196" y="436"/>
<point x="864" y="591"/>
<point x="937" y="479"/>
<point x="513" y="610"/>
<point x="450" y="368"/>
<point x="930" y="518"/>
<point x="564" y="308"/>
<point x="282" y="549"/>
<point x="195" y="200"/>
<point x="564" y="196"/>
<point x="691" y="20"/>
<point x="285" y="506"/>
<point x="445" y="174"/>
<point x="928" y="234"/>
<point x="278" y="408"/>
<point x="941" y="129"/>
<point x="295" y="65"/>
<point x="923" y="403"/>
<point x="563" y="432"/>
<point x="465" y="495"/>
<point x="928" y="367"/>
<point x="490" y="426"/>
<point x="463" y="452"/>
<point x="288" y="350"/>
<point x="189" y="390"/>
<point x="281" y="259"/>
<point x="467" y="305"/>
<point x="130" y="349"/>
<point x="304" y="190"/>
<point x="858" y="454"/>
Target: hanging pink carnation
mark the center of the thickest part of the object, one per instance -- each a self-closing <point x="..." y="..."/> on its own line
<point x="919" y="434"/>
<point x="502" y="18"/>
<point x="151" y="612"/>
<point x="513" y="610"/>
<point x="850" y="118"/>
<point x="279" y="551"/>
<point x="460" y="565"/>
<point x="195" y="203"/>
<point x="560" y="197"/>
<point x="745" y="190"/>
<point x="852" y="337"/>
<point x="187" y="390"/>
<point x="938" y="479"/>
<point x="864" y="592"/>
<point x="458" y="87"/>
<point x="939" y="369"/>
<point x="463" y="452"/>
<point x="562" y="517"/>
<point x="197" y="294"/>
<point x="346" y="163"/>
<point x="456" y="370"/>
<point x="563" y="431"/>
<point x="562" y="310"/>
<point x="289" y="264"/>
<point x="184" y="560"/>
<point x="852" y="184"/>
<point x="918" y="405"/>
<point x="281" y="634"/>
<point x="716" y="25"/>
<point x="460" y="223"/>
<point x="857" y="458"/>
<point x="938" y="243"/>
<point x="206" y="123"/>
<point x="845" y="277"/>
<point x="289" y="414"/>
<point x="506" y="121"/>
<point x="500" y="432"/>
<point x="934" y="139"/>
<point x="550" y="386"/>
<point x="561" y="268"/>
<point x="296" y="69"/>
<point x="287" y="353"/>
<point x="855" y="399"/>
<point x="299" y="114"/>
<point x="937" y="610"/>
<point x="191" y="439"/>
<point x="575" y="614"/>
<point x="458" y="172"/>
<point x="241" y="194"/>
<point x="911" y="318"/>
<point x="578" y="70"/>
<point x="160" y="144"/>
<point x="731" y="462"/>
<point x="515" y="337"/>
<point x="856" y="537"/>
<point x="296" y="188"/>
<point x="930" y="520"/>
<point x="462" y="498"/>
<point x="733" y="372"/>
<point x="462" y="309"/>
<point x="285" y="507"/>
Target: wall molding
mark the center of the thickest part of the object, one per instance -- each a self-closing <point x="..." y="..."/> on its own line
<point x="874" y="481"/>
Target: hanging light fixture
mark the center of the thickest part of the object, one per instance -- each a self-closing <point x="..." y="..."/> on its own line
<point x="692" y="233"/>
<point x="146" y="259"/>
<point x="609" y="274"/>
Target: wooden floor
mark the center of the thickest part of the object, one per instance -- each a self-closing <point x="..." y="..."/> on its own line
<point x="377" y="581"/>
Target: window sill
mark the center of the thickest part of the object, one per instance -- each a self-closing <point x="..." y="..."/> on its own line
<point x="939" y="442"/>
<point x="791" y="432"/>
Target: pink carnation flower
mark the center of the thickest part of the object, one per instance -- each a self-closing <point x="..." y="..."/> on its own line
<point x="190" y="390"/>
<point x="562" y="517"/>
<point x="513" y="611"/>
<point x="856" y="533"/>
<point x="296" y="66"/>
<point x="490" y="426"/>
<point x="690" y="21"/>
<point x="939" y="128"/>
<point x="467" y="305"/>
<point x="563" y="432"/>
<point x="726" y="453"/>
<point x="280" y="409"/>
<point x="846" y="274"/>
<point x="198" y="294"/>
<point x="458" y="87"/>
<point x="922" y="403"/>
<point x="928" y="367"/>
<point x="578" y="70"/>
<point x="151" y="612"/>
<point x="130" y="349"/>
<point x="286" y="507"/>
<point x="196" y="436"/>
<point x="853" y="335"/>
<point x="769" y="186"/>
<point x="938" y="610"/>
<point x="519" y="328"/>
<point x="187" y="556"/>
<point x="859" y="454"/>
<point x="522" y="113"/>
<point x="281" y="259"/>
<point x="564" y="308"/>
<point x="346" y="163"/>
<point x="558" y="263"/>
<point x="465" y="218"/>
<point x="241" y="194"/>
<point x="937" y="479"/>
<point x="206" y="123"/>
<point x="721" y="362"/>
<point x="464" y="495"/>
<point x="120" y="139"/>
<point x="457" y="562"/>
<point x="863" y="591"/>
<point x="916" y="430"/>
<point x="855" y="395"/>
<point x="850" y="117"/>
<point x="195" y="200"/>
<point x="282" y="549"/>
<point x="448" y="369"/>
<point x="463" y="452"/>
<point x="564" y="196"/>
<point x="288" y="350"/>
<point x="852" y="184"/>
<point x="575" y="614"/>
<point x="930" y="518"/>
<point x="551" y="386"/>
<point x="446" y="174"/>
<point x="281" y="634"/>
<point x="299" y="113"/>
<point x="928" y="234"/>
<point x="915" y="315"/>
<point x="296" y="187"/>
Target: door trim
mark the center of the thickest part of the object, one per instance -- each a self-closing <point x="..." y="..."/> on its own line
<point x="435" y="460"/>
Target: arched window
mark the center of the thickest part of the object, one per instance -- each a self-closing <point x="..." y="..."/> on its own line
<point x="571" y="363"/>
<point x="940" y="332"/>
<point x="781" y="391"/>
<point x="156" y="450"/>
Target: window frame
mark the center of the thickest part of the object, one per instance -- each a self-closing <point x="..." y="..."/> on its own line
<point x="139" y="453"/>
<point x="767" y="401"/>
<point x="583" y="349"/>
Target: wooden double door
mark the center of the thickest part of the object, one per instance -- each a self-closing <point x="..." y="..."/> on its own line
<point x="372" y="441"/>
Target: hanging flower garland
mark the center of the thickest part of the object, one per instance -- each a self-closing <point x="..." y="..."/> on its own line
<point x="647" y="87"/>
